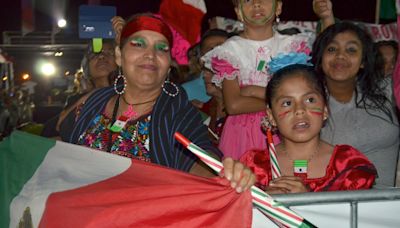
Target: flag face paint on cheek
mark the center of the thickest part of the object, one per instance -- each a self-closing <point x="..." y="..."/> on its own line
<point x="316" y="111"/>
<point x="283" y="114"/>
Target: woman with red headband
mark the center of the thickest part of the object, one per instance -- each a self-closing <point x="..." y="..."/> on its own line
<point x="138" y="116"/>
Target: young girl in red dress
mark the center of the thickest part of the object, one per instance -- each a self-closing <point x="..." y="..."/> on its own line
<point x="297" y="107"/>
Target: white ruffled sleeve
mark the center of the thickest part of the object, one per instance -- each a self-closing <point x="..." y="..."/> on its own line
<point x="223" y="63"/>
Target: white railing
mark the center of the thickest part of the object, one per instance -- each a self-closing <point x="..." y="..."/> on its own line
<point x="364" y="208"/>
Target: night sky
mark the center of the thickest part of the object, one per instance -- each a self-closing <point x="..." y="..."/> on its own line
<point x="10" y="13"/>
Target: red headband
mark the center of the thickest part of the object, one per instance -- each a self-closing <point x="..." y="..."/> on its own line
<point x="147" y="23"/>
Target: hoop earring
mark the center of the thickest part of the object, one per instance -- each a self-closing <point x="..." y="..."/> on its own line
<point x="120" y="75"/>
<point x="168" y="82"/>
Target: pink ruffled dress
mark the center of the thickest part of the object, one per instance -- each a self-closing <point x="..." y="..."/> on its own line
<point x="248" y="60"/>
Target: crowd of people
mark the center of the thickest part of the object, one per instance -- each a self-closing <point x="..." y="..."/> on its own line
<point x="327" y="99"/>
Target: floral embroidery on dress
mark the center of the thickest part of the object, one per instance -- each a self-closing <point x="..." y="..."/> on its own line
<point x="132" y="142"/>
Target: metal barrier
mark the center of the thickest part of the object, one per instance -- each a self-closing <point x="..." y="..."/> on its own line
<point x="362" y="208"/>
<point x="351" y="197"/>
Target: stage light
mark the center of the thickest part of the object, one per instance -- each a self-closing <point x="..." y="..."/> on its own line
<point x="25" y="76"/>
<point x="48" y="69"/>
<point x="61" y="23"/>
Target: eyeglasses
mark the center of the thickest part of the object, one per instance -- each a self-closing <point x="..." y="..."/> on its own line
<point x="105" y="53"/>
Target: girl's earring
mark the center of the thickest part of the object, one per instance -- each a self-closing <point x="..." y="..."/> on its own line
<point x="277" y="19"/>
<point x="120" y="75"/>
<point x="266" y="124"/>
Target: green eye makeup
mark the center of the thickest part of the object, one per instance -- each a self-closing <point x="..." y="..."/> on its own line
<point x="162" y="47"/>
<point x="138" y="42"/>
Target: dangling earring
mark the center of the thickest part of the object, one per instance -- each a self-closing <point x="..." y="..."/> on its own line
<point x="120" y="75"/>
<point x="168" y="82"/>
<point x="277" y="19"/>
<point x="265" y="123"/>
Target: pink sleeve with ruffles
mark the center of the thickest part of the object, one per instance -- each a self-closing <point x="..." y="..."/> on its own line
<point x="223" y="69"/>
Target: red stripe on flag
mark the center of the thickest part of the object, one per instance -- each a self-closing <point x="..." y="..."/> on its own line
<point x="153" y="196"/>
<point x="185" y="18"/>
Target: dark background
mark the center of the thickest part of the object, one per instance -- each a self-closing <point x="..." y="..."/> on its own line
<point x="24" y="57"/>
<point x="362" y="10"/>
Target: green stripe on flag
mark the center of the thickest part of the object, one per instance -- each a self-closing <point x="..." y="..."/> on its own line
<point x="300" y="163"/>
<point x="19" y="150"/>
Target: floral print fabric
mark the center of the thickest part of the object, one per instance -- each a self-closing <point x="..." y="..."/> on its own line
<point x="132" y="141"/>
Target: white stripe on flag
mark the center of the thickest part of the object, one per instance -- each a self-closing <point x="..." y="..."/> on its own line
<point x="65" y="167"/>
<point x="198" y="4"/>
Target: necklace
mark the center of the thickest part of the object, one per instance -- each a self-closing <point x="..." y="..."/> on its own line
<point x="300" y="165"/>
<point x="140" y="103"/>
<point x="131" y="113"/>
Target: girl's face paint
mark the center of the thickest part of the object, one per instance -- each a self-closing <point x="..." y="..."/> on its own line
<point x="316" y="111"/>
<point x="283" y="114"/>
<point x="297" y="109"/>
<point x="264" y="13"/>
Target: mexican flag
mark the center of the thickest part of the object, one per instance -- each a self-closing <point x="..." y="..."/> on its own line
<point x="48" y="183"/>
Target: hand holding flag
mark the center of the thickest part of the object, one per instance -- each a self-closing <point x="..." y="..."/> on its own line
<point x="265" y="203"/>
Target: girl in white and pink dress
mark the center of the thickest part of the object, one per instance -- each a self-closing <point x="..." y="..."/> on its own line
<point x="241" y="67"/>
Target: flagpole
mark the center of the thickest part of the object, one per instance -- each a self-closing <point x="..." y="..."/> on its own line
<point x="377" y="11"/>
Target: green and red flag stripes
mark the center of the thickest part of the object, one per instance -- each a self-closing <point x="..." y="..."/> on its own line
<point x="275" y="169"/>
<point x="273" y="209"/>
<point x="48" y="183"/>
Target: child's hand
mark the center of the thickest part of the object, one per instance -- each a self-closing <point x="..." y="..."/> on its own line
<point x="274" y="190"/>
<point x="118" y="24"/>
<point x="292" y="184"/>
<point x="323" y="9"/>
<point x="239" y="175"/>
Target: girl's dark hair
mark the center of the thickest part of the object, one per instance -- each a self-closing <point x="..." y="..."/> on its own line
<point x="307" y="72"/>
<point x="369" y="78"/>
<point x="380" y="61"/>
<point x="213" y="33"/>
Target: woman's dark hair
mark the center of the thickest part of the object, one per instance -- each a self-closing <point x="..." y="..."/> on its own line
<point x="307" y="72"/>
<point x="368" y="78"/>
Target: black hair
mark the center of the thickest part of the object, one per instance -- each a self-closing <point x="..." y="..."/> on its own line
<point x="368" y="78"/>
<point x="306" y="71"/>
<point x="212" y="33"/>
<point x="193" y="51"/>
<point x="391" y="43"/>
<point x="290" y="31"/>
<point x="380" y="61"/>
